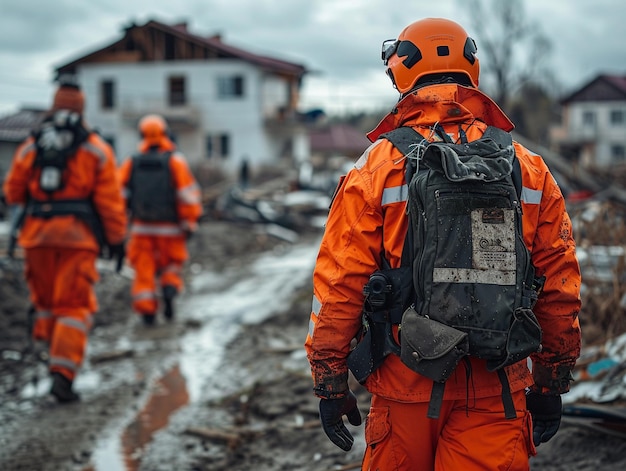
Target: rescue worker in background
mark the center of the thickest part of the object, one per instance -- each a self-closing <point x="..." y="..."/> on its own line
<point x="165" y="204"/>
<point x="65" y="176"/>
<point x="433" y="66"/>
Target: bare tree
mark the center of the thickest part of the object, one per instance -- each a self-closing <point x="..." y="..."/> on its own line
<point x="513" y="47"/>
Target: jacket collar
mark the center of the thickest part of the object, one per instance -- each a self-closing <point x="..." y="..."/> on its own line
<point x="443" y="103"/>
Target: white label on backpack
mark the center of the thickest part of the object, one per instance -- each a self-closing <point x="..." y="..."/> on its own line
<point x="493" y="250"/>
<point x="50" y="179"/>
<point x="493" y="243"/>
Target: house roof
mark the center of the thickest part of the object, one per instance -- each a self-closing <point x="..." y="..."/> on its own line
<point x="155" y="41"/>
<point x="600" y="88"/>
<point x="17" y="126"/>
<point x="340" y="138"/>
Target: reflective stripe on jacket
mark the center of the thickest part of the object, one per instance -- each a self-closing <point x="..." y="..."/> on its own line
<point x="368" y="218"/>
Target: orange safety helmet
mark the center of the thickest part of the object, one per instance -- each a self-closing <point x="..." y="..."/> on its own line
<point x="430" y="46"/>
<point x="153" y="129"/>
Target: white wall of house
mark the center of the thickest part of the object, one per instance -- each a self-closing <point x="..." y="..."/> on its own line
<point x="603" y="123"/>
<point x="142" y="88"/>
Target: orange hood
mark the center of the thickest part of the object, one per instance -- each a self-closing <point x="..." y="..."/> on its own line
<point x="443" y="103"/>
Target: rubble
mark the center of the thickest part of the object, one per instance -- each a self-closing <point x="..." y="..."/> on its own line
<point x="271" y="421"/>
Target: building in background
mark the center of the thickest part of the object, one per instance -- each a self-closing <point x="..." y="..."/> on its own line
<point x="593" y="128"/>
<point x="334" y="150"/>
<point x="14" y="128"/>
<point x="223" y="104"/>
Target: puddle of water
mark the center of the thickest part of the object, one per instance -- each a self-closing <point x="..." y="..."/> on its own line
<point x="124" y="453"/>
<point x="170" y="394"/>
<point x="222" y="306"/>
<point x="108" y="457"/>
<point x="267" y="288"/>
<point x="202" y="353"/>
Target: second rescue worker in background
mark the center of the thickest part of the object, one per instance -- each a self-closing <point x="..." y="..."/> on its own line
<point x="64" y="174"/>
<point x="164" y="201"/>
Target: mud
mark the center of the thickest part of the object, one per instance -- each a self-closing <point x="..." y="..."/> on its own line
<point x="139" y="410"/>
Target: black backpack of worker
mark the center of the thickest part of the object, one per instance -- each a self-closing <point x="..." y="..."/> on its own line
<point x="152" y="193"/>
<point x="474" y="283"/>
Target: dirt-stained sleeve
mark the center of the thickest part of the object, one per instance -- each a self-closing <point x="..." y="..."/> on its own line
<point x="554" y="256"/>
<point x="348" y="254"/>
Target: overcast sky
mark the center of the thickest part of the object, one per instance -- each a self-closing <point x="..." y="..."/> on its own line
<point x="338" y="39"/>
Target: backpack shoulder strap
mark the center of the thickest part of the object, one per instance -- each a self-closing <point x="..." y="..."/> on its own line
<point x="500" y="136"/>
<point x="516" y="175"/>
<point x="405" y="139"/>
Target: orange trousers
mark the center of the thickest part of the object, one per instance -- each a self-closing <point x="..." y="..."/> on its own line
<point x="468" y="437"/>
<point x="155" y="259"/>
<point x="61" y="283"/>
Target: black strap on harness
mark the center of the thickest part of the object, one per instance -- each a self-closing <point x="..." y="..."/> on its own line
<point x="507" y="399"/>
<point x="436" y="399"/>
<point x="408" y="141"/>
<point x="81" y="208"/>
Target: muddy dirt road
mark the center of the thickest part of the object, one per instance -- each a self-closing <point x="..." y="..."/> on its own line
<point x="224" y="387"/>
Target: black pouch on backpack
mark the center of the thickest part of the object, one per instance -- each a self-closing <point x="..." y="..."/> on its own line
<point x="524" y="337"/>
<point x="431" y="348"/>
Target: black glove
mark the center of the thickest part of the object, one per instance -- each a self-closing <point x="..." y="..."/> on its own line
<point x="117" y="252"/>
<point x="331" y="416"/>
<point x="546" y="412"/>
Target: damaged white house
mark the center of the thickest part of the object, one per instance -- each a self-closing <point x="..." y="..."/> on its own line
<point x="224" y="104"/>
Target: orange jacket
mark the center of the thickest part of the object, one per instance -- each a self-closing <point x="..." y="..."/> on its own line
<point x="368" y="218"/>
<point x="90" y="175"/>
<point x="188" y="196"/>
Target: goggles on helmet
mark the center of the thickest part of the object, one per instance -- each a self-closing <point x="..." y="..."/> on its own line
<point x="389" y="48"/>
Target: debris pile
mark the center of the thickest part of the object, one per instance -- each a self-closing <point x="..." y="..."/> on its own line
<point x="598" y="396"/>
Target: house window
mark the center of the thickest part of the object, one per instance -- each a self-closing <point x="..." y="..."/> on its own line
<point x="170" y="47"/>
<point x="230" y="87"/>
<point x="224" y="145"/>
<point x="218" y="145"/>
<point x="589" y="118"/>
<point x="107" y="94"/>
<point x="177" y="91"/>
<point x="209" y="147"/>
<point x="617" y="117"/>
<point x="618" y="152"/>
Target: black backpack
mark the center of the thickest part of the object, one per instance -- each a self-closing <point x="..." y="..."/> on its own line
<point x="56" y="141"/>
<point x="474" y="283"/>
<point x="152" y="193"/>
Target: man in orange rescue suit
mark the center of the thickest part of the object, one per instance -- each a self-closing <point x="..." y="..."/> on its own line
<point x="165" y="205"/>
<point x="65" y="175"/>
<point x="434" y="67"/>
